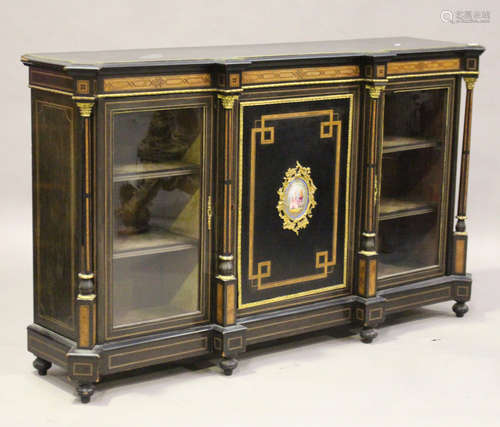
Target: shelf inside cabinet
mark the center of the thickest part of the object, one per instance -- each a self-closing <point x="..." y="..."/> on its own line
<point x="132" y="316"/>
<point x="393" y="143"/>
<point x="138" y="171"/>
<point x="387" y="268"/>
<point x="391" y="208"/>
<point x="155" y="240"/>
<point x="407" y="244"/>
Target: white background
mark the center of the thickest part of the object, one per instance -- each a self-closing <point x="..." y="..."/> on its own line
<point x="426" y="368"/>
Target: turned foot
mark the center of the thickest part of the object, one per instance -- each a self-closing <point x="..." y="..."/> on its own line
<point x="41" y="365"/>
<point x="228" y="365"/>
<point x="368" y="334"/>
<point x="85" y="391"/>
<point x="460" y="308"/>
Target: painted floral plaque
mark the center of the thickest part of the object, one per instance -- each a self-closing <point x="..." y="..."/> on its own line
<point x="296" y="198"/>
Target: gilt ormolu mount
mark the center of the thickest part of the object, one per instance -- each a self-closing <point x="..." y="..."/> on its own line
<point x="186" y="207"/>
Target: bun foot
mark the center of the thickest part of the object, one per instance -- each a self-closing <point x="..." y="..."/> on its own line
<point x="85" y="391"/>
<point x="41" y="365"/>
<point x="368" y="334"/>
<point x="460" y="308"/>
<point x="228" y="365"/>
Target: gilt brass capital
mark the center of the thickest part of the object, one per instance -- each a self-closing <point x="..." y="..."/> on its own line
<point x="470" y="81"/>
<point x="227" y="100"/>
<point x="85" y="108"/>
<point x="375" y="91"/>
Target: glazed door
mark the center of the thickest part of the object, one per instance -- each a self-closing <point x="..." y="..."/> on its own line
<point x="295" y="196"/>
<point x="157" y="191"/>
<point x="414" y="202"/>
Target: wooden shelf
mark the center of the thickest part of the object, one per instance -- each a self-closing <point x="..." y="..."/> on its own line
<point x="391" y="208"/>
<point x="152" y="314"/>
<point x="387" y="269"/>
<point x="153" y="170"/>
<point x="393" y="144"/>
<point x="156" y="240"/>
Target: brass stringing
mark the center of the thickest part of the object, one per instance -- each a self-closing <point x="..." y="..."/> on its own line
<point x="301" y="221"/>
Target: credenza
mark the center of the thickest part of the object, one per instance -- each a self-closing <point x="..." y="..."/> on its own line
<point x="190" y="202"/>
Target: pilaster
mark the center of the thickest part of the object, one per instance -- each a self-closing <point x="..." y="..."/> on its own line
<point x="460" y="234"/>
<point x="367" y="255"/>
<point x="86" y="300"/>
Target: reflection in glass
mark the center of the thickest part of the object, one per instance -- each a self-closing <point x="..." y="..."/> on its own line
<point x="407" y="244"/>
<point x="157" y="141"/>
<point x="412" y="176"/>
<point x="415" y="115"/>
<point x="153" y="287"/>
<point x="156" y="214"/>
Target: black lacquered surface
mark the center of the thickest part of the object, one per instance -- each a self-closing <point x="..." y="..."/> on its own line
<point x="292" y="257"/>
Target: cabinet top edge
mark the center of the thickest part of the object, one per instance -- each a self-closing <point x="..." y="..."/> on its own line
<point x="246" y="54"/>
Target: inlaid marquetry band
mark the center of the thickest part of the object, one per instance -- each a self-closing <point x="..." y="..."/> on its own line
<point x="198" y="82"/>
<point x="423" y="66"/>
<point x="158" y="82"/>
<point x="299" y="74"/>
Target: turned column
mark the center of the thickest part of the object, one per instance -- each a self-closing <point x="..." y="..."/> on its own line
<point x="460" y="234"/>
<point x="367" y="256"/>
<point x="229" y="338"/>
<point x="86" y="289"/>
<point x="226" y="280"/>
<point x="366" y="284"/>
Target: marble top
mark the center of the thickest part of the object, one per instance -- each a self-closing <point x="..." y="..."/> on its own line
<point x="247" y="53"/>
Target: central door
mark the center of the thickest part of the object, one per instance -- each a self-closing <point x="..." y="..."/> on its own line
<point x="294" y="198"/>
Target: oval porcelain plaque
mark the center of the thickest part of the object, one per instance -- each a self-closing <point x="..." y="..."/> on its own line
<point x="296" y="198"/>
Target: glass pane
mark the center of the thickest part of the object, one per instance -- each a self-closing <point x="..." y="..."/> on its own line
<point x="153" y="287"/>
<point x="407" y="244"/>
<point x="151" y="142"/>
<point x="156" y="214"/>
<point x="411" y="183"/>
<point x="412" y="174"/>
<point x="414" y="119"/>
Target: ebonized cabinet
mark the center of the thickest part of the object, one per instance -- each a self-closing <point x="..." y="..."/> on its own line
<point x="185" y="206"/>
